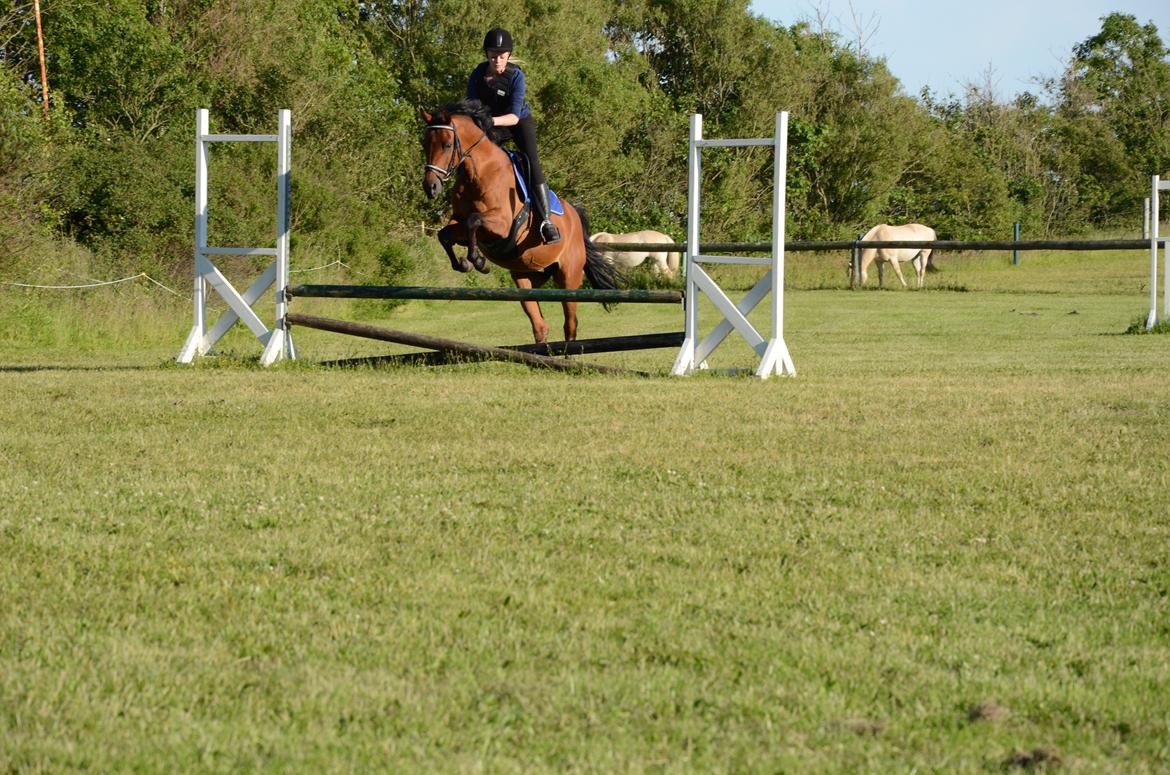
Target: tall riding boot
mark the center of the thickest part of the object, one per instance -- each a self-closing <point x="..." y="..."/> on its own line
<point x="548" y="232"/>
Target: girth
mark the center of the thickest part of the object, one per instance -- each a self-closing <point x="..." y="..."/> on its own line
<point x="504" y="249"/>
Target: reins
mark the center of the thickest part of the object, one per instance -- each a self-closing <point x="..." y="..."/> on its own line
<point x="458" y="155"/>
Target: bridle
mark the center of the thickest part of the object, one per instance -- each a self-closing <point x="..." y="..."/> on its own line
<point x="458" y="155"/>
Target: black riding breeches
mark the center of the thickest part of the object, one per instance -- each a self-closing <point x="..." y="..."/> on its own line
<point x="524" y="135"/>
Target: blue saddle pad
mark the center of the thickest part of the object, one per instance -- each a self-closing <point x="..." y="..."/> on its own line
<point x="554" y="201"/>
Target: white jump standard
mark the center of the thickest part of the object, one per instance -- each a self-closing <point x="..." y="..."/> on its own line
<point x="277" y="341"/>
<point x="1157" y="185"/>
<point x="773" y="352"/>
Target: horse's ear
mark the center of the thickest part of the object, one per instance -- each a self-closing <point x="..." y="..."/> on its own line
<point x="425" y="116"/>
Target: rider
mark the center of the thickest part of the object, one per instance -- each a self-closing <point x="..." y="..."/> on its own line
<point x="500" y="85"/>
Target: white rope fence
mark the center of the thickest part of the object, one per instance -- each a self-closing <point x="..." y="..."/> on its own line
<point x="142" y="276"/>
<point x="96" y="284"/>
<point x="338" y="262"/>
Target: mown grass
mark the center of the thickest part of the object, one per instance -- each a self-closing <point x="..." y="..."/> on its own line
<point x="942" y="546"/>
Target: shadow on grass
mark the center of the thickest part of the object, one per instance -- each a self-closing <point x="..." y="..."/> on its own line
<point x="30" y="369"/>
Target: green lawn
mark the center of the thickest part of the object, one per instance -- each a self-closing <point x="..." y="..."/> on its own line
<point x="942" y="546"/>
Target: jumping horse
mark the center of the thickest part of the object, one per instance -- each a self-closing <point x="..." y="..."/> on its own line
<point x="491" y="217"/>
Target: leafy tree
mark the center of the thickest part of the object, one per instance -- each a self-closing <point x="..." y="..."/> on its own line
<point x="1114" y="102"/>
<point x="612" y="83"/>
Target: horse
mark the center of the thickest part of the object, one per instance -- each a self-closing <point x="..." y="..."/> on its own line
<point x="922" y="258"/>
<point x="664" y="263"/>
<point x="490" y="217"/>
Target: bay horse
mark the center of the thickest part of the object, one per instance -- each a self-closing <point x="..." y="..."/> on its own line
<point x="920" y="257"/>
<point x="665" y="263"/>
<point x="489" y="214"/>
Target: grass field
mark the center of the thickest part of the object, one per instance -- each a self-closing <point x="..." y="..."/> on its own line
<point x="943" y="546"/>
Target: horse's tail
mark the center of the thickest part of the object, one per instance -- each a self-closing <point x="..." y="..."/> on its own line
<point x="930" y="265"/>
<point x="602" y="272"/>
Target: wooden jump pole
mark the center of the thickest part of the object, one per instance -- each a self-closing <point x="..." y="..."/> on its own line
<point x="609" y="344"/>
<point x="446" y="345"/>
<point x="483" y="294"/>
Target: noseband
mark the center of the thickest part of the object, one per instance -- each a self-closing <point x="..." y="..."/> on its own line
<point x="458" y="155"/>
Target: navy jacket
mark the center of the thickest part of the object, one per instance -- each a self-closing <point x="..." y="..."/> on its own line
<point x="505" y="96"/>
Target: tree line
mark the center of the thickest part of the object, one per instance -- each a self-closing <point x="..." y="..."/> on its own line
<point x="612" y="83"/>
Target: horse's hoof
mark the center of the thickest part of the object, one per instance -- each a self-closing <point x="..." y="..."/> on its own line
<point x="461" y="267"/>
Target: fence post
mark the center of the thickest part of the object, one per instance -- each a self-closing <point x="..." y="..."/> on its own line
<point x="1015" y="238"/>
<point x="1152" y="319"/>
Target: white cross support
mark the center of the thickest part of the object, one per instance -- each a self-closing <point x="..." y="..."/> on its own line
<point x="277" y="341"/>
<point x="773" y="352"/>
<point x="1157" y="184"/>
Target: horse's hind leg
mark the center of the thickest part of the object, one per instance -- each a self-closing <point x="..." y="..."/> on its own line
<point x="532" y="310"/>
<point x="570" y="277"/>
<point x="570" y="310"/>
<point x="659" y="260"/>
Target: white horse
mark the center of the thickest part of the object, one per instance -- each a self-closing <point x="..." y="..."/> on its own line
<point x="664" y="262"/>
<point x="920" y="257"/>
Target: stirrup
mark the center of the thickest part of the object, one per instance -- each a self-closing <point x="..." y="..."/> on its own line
<point x="549" y="233"/>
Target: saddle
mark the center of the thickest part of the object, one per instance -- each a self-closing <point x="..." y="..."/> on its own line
<point x="506" y="248"/>
<point x="520" y="168"/>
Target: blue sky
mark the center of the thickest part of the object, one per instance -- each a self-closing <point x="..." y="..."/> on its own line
<point x="946" y="44"/>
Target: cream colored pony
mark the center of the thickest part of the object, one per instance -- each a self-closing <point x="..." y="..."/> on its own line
<point x="920" y="257"/>
<point x="664" y="263"/>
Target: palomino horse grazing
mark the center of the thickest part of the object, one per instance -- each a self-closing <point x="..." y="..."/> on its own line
<point x="921" y="257"/>
<point x="664" y="262"/>
<point x="489" y="214"/>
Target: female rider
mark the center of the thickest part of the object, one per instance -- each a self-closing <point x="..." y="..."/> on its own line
<point x="500" y="85"/>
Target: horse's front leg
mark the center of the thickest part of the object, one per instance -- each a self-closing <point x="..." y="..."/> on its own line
<point x="867" y="258"/>
<point x="449" y="238"/>
<point x="898" y="271"/>
<point x="532" y="310"/>
<point x="474" y="255"/>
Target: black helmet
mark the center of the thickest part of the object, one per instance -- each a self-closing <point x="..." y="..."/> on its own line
<point x="498" y="39"/>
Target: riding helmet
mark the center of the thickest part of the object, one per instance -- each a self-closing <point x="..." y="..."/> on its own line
<point x="497" y="39"/>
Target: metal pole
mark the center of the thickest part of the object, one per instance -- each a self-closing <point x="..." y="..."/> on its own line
<point x="685" y="362"/>
<point x="41" y="49"/>
<point x="779" y="202"/>
<point x="195" y="340"/>
<point x="1152" y="320"/>
<point x="1146" y="219"/>
<point x="202" y="125"/>
<point x="283" y="187"/>
<point x="1015" y="238"/>
<point x="1165" y="271"/>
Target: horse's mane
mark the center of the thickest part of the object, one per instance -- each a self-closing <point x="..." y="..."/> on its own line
<point x="473" y="109"/>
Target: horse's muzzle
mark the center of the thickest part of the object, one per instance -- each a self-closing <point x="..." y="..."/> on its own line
<point x="432" y="186"/>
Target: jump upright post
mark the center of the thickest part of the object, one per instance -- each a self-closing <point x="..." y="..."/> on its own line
<point x="773" y="352"/>
<point x="1157" y="185"/>
<point x="277" y="340"/>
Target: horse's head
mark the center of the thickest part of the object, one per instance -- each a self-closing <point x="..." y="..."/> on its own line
<point x="450" y="135"/>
